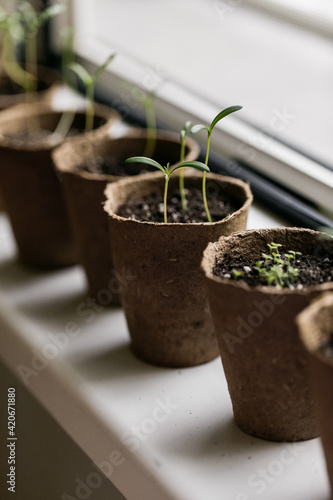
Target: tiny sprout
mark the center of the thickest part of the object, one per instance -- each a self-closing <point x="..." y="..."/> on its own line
<point x="236" y="274"/>
<point x="89" y="83"/>
<point x="167" y="172"/>
<point x="275" y="269"/>
<point x="209" y="129"/>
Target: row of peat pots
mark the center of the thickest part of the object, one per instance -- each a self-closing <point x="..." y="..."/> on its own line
<point x="191" y="290"/>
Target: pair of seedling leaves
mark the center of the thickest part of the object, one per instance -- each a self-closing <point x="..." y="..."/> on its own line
<point x="168" y="171"/>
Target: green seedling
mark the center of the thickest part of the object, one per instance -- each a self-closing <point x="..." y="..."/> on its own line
<point x="31" y="21"/>
<point x="209" y="129"/>
<point x="89" y="81"/>
<point x="167" y="172"/>
<point x="149" y="107"/>
<point x="183" y="133"/>
<point x="12" y="36"/>
<point x="236" y="274"/>
<point x="276" y="269"/>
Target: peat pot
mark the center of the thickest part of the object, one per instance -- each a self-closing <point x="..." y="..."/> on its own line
<point x="30" y="185"/>
<point x="264" y="361"/>
<point x="163" y="292"/>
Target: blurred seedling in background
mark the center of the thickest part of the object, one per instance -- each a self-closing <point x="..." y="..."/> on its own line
<point x="167" y="172"/>
<point x="89" y="81"/>
<point x="21" y="28"/>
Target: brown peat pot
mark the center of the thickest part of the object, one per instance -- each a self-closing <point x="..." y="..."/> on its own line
<point x="316" y="330"/>
<point x="263" y="358"/>
<point x="84" y="193"/>
<point x="11" y="94"/>
<point x="30" y="186"/>
<point x="164" y="298"/>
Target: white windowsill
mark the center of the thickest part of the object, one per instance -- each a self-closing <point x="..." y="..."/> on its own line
<point x="98" y="391"/>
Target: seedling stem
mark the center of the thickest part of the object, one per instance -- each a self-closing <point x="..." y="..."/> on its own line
<point x="167" y="173"/>
<point x="209" y="129"/>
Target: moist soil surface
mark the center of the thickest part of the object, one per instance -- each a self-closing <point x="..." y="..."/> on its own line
<point x="151" y="208"/>
<point x="115" y="165"/>
<point x="312" y="270"/>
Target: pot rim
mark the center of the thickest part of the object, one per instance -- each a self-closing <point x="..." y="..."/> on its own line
<point x="312" y="336"/>
<point x="215" y="247"/>
<point x="44" y="109"/>
<point x="131" y="133"/>
<point x="245" y="187"/>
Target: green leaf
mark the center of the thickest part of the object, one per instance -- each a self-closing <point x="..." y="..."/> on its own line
<point x="100" y="70"/>
<point x="223" y="114"/>
<point x="194" y="164"/>
<point x="197" y="128"/>
<point x="81" y="72"/>
<point x="146" y="161"/>
<point x="16" y="32"/>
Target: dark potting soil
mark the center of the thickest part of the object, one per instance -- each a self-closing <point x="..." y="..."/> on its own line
<point x="151" y="208"/>
<point x="113" y="165"/>
<point x="313" y="270"/>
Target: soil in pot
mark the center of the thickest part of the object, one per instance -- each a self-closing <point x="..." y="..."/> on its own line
<point x="150" y="208"/>
<point x="46" y="135"/>
<point x="311" y="270"/>
<point x="111" y="162"/>
<point x="263" y="359"/>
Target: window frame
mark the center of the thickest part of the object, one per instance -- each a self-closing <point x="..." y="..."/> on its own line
<point x="232" y="139"/>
